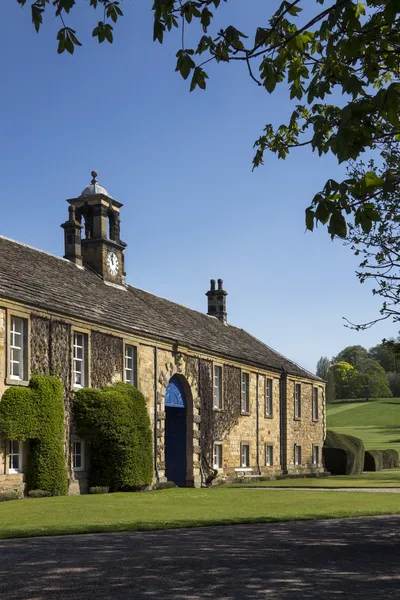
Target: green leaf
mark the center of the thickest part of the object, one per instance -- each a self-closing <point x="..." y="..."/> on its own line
<point x="310" y="215"/>
<point x="337" y="225"/>
<point x="371" y="179"/>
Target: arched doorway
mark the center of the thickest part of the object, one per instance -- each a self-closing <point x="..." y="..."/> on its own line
<point x="175" y="432"/>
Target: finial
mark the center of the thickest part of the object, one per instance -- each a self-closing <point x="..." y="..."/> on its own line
<point x="94" y="175"/>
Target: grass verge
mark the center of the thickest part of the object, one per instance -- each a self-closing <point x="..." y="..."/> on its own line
<point x="382" y="479"/>
<point x="167" y="509"/>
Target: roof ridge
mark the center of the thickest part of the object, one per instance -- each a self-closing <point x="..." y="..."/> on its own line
<point x="203" y="314"/>
<point x="279" y="353"/>
<point x="4" y="237"/>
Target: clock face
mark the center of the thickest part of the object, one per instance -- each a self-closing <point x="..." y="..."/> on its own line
<point x="112" y="263"/>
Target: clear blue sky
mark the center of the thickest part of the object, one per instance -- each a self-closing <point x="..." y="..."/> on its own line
<point x="181" y="164"/>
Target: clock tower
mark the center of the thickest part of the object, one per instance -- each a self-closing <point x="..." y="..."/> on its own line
<point x="97" y="214"/>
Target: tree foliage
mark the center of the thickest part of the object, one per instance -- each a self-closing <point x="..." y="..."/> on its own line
<point x="338" y="60"/>
<point x="354" y="355"/>
<point x="116" y="425"/>
<point x="323" y="367"/>
<point x="368" y="380"/>
<point x="378" y="245"/>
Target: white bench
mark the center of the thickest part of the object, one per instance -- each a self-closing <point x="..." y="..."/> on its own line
<point x="242" y="472"/>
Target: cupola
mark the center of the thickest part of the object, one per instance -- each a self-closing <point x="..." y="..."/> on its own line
<point x="97" y="214"/>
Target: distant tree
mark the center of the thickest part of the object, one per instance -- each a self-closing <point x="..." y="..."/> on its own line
<point x="323" y="367"/>
<point x="354" y="355"/>
<point x="386" y="356"/>
<point x="372" y="381"/>
<point x="330" y="387"/>
<point x="394" y="383"/>
<point x="346" y="380"/>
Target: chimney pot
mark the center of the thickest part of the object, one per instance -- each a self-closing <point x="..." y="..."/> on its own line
<point x="217" y="301"/>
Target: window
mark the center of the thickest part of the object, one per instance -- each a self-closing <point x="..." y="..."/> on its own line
<point x="268" y="397"/>
<point x="315" y="404"/>
<point x="217" y="453"/>
<point x="245" y="393"/>
<point x="245" y="455"/>
<point x="297" y="454"/>
<point x="217" y="387"/>
<point x="297" y="401"/>
<point x="14" y="456"/>
<point x="269" y="455"/>
<point x="18" y="349"/>
<point x="130" y="364"/>
<point x="80" y="360"/>
<point x="78" y="453"/>
<point x="315" y="455"/>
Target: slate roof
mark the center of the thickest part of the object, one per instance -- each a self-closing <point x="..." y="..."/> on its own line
<point x="55" y="284"/>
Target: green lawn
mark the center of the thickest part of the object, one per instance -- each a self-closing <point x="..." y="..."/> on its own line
<point x="376" y="422"/>
<point x="166" y="509"/>
<point x="382" y="479"/>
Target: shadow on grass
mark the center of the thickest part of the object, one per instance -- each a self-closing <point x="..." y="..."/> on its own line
<point x="354" y="558"/>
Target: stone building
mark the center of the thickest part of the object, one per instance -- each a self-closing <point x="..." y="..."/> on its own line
<point x="219" y="400"/>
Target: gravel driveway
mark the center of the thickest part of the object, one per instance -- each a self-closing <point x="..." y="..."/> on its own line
<point x="341" y="558"/>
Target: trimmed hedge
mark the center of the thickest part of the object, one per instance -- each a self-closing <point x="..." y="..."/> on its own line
<point x="373" y="460"/>
<point x="10" y="495"/>
<point x="36" y="413"/>
<point x="343" y="454"/>
<point x="116" y="425"/>
<point x="391" y="459"/>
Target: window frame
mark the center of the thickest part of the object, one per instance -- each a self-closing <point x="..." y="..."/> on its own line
<point x="242" y="446"/>
<point x="297" y="401"/>
<point x="134" y="359"/>
<point x="316" y="463"/>
<point x="297" y="462"/>
<point x="245" y="377"/>
<point x="82" y="454"/>
<point x="25" y="349"/>
<point x="219" y="406"/>
<point x="315" y="404"/>
<point x="85" y="361"/>
<point x="269" y="462"/>
<point x="269" y="398"/>
<point x="216" y="466"/>
<point x="10" y="454"/>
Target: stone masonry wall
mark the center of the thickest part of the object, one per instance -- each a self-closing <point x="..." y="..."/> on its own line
<point x="304" y="432"/>
<point x="2" y="380"/>
<point x="51" y="352"/>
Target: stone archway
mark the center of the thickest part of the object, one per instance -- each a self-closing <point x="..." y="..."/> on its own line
<point x="183" y="370"/>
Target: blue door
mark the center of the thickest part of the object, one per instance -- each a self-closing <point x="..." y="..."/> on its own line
<point x="175" y="432"/>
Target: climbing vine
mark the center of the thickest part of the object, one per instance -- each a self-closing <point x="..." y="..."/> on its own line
<point x="106" y="358"/>
<point x="116" y="425"/>
<point x="215" y="425"/>
<point x="36" y="414"/>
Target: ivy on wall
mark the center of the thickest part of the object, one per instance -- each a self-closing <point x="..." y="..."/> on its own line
<point x="106" y="358"/>
<point x="215" y="425"/>
<point x="36" y="413"/>
<point x="116" y="425"/>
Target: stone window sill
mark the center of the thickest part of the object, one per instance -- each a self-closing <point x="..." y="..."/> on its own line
<point x="268" y="416"/>
<point x="21" y="382"/>
<point x="244" y="413"/>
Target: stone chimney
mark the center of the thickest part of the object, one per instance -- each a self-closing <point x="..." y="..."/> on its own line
<point x="217" y="301"/>
<point x="72" y="238"/>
